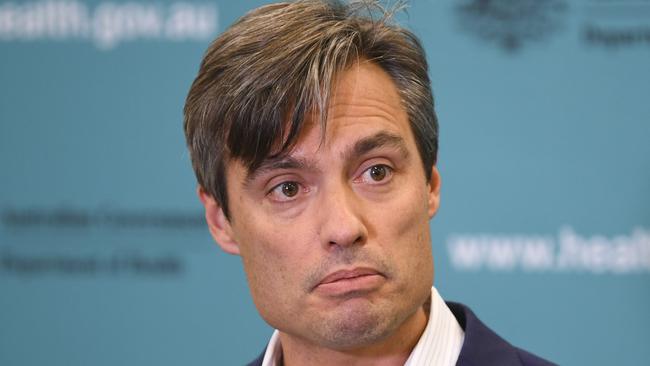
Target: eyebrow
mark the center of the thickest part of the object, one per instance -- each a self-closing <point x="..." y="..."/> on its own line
<point x="359" y="148"/>
<point x="379" y="140"/>
<point x="277" y="163"/>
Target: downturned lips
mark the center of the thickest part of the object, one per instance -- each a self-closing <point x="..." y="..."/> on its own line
<point x="348" y="274"/>
<point x="355" y="281"/>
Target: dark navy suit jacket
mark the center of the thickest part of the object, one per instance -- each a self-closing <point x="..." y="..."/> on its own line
<point x="481" y="347"/>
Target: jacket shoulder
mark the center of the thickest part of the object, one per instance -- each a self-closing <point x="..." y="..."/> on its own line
<point x="482" y="346"/>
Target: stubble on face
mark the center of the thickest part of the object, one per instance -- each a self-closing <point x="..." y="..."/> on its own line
<point x="286" y="259"/>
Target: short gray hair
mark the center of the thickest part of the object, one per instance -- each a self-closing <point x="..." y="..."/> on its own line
<point x="261" y="78"/>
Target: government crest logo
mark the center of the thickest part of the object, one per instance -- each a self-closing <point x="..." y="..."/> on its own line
<point x="511" y="24"/>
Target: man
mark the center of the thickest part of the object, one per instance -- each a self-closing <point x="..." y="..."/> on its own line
<point x="313" y="136"/>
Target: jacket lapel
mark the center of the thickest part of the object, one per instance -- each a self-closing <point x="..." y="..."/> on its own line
<point x="481" y="345"/>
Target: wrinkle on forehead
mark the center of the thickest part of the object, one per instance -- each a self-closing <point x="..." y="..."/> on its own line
<point x="378" y="110"/>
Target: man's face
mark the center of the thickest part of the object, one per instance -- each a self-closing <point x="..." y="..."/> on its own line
<point x="334" y="237"/>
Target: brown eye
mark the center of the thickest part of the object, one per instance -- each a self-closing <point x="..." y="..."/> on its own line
<point x="289" y="189"/>
<point x="378" y="172"/>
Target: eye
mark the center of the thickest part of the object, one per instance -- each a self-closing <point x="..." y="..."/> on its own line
<point x="285" y="191"/>
<point x="289" y="189"/>
<point x="377" y="174"/>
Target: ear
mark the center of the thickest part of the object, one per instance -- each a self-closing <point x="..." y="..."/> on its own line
<point x="434" y="192"/>
<point x="218" y="224"/>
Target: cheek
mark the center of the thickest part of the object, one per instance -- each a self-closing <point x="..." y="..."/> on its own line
<point x="272" y="261"/>
<point x="407" y="232"/>
<point x="409" y="215"/>
<point x="262" y="256"/>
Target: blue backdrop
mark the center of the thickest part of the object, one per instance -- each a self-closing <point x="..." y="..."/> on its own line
<point x="544" y="227"/>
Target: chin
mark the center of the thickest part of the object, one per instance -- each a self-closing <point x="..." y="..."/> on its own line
<point x="357" y="327"/>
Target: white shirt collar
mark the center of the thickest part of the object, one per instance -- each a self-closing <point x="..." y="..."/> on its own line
<point x="273" y="351"/>
<point x="440" y="343"/>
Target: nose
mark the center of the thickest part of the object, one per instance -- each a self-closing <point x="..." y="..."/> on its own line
<point x="342" y="219"/>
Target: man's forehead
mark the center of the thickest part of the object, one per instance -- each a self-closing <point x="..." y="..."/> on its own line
<point x="368" y="85"/>
<point x="364" y="102"/>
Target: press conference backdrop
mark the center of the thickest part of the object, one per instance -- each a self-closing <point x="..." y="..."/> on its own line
<point x="544" y="227"/>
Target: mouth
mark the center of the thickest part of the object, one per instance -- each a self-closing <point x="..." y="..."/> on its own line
<point x="357" y="280"/>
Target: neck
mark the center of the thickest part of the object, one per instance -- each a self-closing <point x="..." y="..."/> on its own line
<point x="392" y="350"/>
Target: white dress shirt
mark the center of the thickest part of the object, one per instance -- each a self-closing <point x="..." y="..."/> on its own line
<point x="439" y="344"/>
